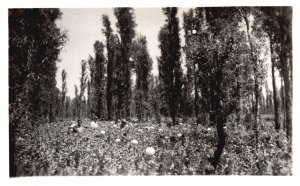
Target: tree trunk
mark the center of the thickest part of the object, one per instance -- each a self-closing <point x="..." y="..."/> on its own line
<point x="256" y="111"/>
<point x="196" y="94"/>
<point x="287" y="84"/>
<point x="119" y="107"/>
<point x="218" y="117"/>
<point x="221" y="142"/>
<point x="128" y="92"/>
<point x="109" y="100"/>
<point x="80" y="108"/>
<point x="283" y="103"/>
<point x="288" y="97"/>
<point x="285" y="39"/>
<point x="110" y="62"/>
<point x="256" y="86"/>
<point x="173" y="109"/>
<point x="276" y="105"/>
<point x="62" y="109"/>
<point x="12" y="141"/>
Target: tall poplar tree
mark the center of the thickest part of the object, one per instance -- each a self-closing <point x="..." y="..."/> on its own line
<point x="143" y="64"/>
<point x="83" y="85"/>
<point x="110" y="47"/>
<point x="98" y="81"/>
<point x="63" y="92"/>
<point x="170" y="69"/>
<point x="125" y="24"/>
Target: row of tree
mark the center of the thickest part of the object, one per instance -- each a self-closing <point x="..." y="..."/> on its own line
<point x="224" y="44"/>
<point x="111" y="94"/>
<point x="220" y="70"/>
<point x="225" y="61"/>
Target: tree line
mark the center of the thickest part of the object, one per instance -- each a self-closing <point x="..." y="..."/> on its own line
<point x="218" y="73"/>
<point x="223" y="57"/>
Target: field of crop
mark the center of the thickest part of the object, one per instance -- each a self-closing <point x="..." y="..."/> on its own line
<point x="181" y="150"/>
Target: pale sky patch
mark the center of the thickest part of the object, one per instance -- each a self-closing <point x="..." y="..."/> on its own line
<point x="84" y="28"/>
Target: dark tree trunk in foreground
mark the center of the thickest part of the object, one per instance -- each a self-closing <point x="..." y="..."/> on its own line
<point x="221" y="143"/>
<point x="218" y="117"/>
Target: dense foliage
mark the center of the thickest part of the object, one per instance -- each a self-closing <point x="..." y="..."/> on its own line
<point x="170" y="71"/>
<point x="125" y="24"/>
<point x="143" y="66"/>
<point x="35" y="42"/>
<point x="111" y="53"/>
<point x="184" y="149"/>
<point x="98" y="80"/>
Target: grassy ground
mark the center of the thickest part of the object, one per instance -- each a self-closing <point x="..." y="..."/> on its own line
<point x="180" y="150"/>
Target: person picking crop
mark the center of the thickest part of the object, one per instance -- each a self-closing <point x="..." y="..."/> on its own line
<point x="78" y="128"/>
<point x="94" y="123"/>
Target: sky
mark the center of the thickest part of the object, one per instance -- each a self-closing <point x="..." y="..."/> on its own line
<point x="83" y="28"/>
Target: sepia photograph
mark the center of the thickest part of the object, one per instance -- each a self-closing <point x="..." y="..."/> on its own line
<point x="150" y="91"/>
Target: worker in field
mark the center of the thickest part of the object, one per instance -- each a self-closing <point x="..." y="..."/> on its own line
<point x="71" y="127"/>
<point x="94" y="123"/>
<point x="78" y="128"/>
<point x="73" y="124"/>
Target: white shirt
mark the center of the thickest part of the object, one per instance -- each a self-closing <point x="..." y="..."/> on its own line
<point x="80" y="129"/>
<point x="94" y="124"/>
<point x="73" y="124"/>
